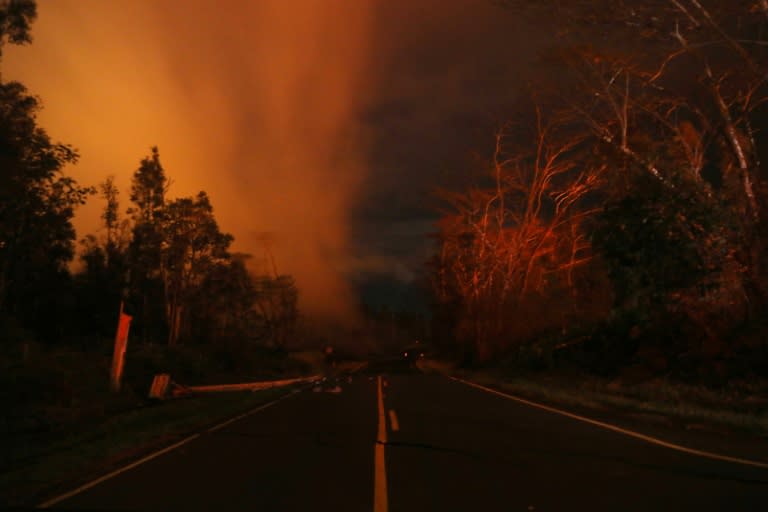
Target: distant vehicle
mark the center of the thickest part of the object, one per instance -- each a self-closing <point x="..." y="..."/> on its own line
<point x="330" y="355"/>
<point x="413" y="352"/>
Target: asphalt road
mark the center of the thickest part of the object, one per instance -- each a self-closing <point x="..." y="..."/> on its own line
<point x="447" y="446"/>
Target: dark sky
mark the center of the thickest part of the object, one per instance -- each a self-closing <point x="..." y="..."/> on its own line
<point x="448" y="75"/>
<point x="325" y="123"/>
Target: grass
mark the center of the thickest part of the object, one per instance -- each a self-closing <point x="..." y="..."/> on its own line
<point x="39" y="466"/>
<point x="740" y="407"/>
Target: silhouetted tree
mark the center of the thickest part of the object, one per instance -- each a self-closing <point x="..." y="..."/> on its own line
<point x="192" y="245"/>
<point x="661" y="240"/>
<point x="37" y="203"/>
<point x="16" y="18"/>
<point x="102" y="282"/>
<point x="223" y="305"/>
<point x="148" y="188"/>
<point x="111" y="214"/>
<point x="277" y="305"/>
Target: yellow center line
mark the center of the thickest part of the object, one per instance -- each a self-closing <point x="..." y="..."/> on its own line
<point x="394" y="425"/>
<point x="380" y="471"/>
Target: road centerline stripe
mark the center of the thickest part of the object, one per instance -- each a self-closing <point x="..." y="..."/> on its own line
<point x="380" y="470"/>
<point x="393" y="423"/>
<point x="614" y="428"/>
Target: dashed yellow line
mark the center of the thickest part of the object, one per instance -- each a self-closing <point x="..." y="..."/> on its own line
<point x="380" y="503"/>
<point x="614" y="428"/>
<point x="393" y="423"/>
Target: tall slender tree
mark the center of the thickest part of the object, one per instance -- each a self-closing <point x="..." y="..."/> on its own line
<point x="110" y="215"/>
<point x="101" y="284"/>
<point x="192" y="247"/>
<point x="148" y="189"/>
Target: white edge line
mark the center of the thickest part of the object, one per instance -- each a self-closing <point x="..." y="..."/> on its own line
<point x="156" y="454"/>
<point x="252" y="411"/>
<point x="116" y="472"/>
<point x="631" y="433"/>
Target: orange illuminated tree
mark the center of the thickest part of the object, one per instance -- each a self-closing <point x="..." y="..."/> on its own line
<point x="517" y="236"/>
<point x="678" y="86"/>
<point x="671" y="94"/>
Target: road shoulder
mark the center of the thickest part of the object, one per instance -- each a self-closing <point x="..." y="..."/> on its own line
<point x="713" y="438"/>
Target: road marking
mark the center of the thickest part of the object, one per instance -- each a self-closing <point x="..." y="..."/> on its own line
<point x="394" y="425"/>
<point x="85" y="487"/>
<point x="631" y="433"/>
<point x="380" y="470"/>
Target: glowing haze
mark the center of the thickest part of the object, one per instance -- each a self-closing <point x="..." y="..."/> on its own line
<point x="255" y="102"/>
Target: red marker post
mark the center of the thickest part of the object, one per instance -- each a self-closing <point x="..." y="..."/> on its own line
<point x="121" y="341"/>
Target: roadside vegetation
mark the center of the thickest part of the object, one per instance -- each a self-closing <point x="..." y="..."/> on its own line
<point x="613" y="249"/>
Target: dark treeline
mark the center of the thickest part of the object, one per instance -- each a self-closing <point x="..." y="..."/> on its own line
<point x="171" y="266"/>
<point x="164" y="258"/>
<point x="395" y="329"/>
<point x="622" y="222"/>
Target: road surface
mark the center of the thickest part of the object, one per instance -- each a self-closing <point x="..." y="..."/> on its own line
<point x="444" y="446"/>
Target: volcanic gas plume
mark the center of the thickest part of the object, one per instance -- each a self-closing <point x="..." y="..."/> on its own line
<point x="255" y="102"/>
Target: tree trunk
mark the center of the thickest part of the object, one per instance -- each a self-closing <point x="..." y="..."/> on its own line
<point x="145" y="317"/>
<point x="175" y="311"/>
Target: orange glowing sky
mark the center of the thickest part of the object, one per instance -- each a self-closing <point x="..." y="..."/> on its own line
<point x="323" y="122"/>
<point x="254" y="104"/>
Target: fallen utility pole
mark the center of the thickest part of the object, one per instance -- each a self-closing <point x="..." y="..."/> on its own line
<point x="163" y="386"/>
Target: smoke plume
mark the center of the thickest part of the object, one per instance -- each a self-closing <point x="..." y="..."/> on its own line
<point x="255" y="102"/>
